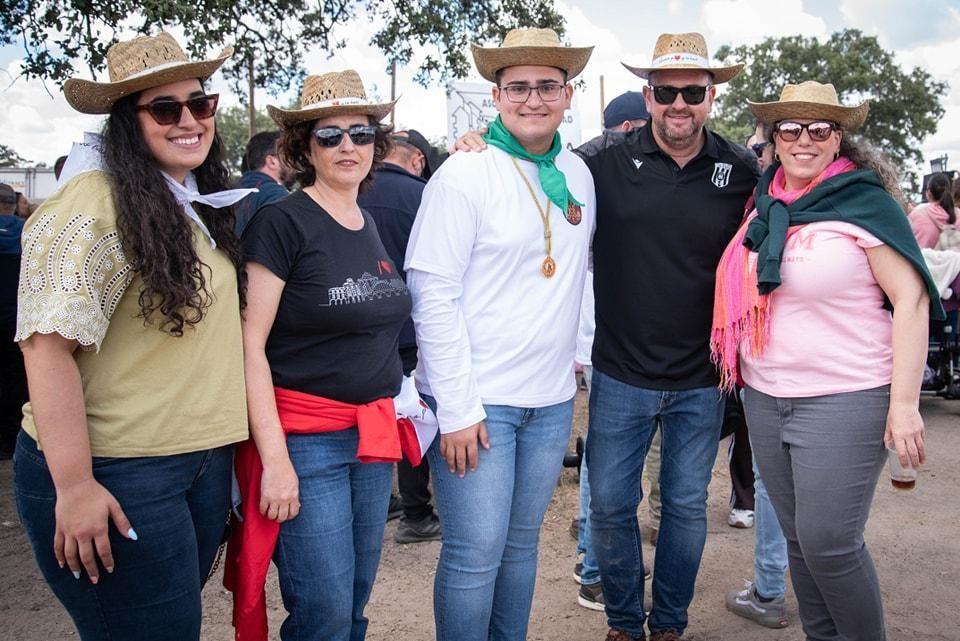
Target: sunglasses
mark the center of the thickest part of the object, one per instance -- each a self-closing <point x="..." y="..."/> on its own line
<point x="759" y="147"/>
<point x="167" y="112"/>
<point x="331" y="136"/>
<point x="692" y="94"/>
<point x="819" y="131"/>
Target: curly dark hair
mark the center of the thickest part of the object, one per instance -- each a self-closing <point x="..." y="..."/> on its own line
<point x="294" y="149"/>
<point x="155" y="233"/>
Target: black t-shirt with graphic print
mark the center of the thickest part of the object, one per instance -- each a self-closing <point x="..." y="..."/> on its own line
<point x="343" y="303"/>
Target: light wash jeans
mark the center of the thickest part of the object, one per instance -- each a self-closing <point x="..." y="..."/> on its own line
<point x="491" y="519"/>
<point x="769" y="546"/>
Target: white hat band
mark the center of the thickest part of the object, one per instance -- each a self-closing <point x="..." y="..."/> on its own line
<point x="680" y="58"/>
<point x="336" y="102"/>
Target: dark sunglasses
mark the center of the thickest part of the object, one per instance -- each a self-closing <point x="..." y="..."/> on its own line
<point x="331" y="136"/>
<point x="818" y="131"/>
<point x="692" y="94"/>
<point x="167" y="112"/>
<point x="759" y="147"/>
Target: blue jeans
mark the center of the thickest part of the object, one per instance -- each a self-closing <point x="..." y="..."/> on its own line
<point x="327" y="556"/>
<point x="491" y="523"/>
<point x="178" y="506"/>
<point x="622" y="423"/>
<point x="590" y="573"/>
<point x="769" y="546"/>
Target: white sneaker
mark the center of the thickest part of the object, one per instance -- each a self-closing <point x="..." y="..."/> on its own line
<point x="740" y="519"/>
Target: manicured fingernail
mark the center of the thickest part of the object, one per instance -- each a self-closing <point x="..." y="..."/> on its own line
<point x="132" y="535"/>
<point x="76" y="574"/>
<point x="94" y="579"/>
<point x="109" y="569"/>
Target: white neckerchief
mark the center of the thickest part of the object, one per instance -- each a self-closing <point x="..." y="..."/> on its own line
<point x="88" y="156"/>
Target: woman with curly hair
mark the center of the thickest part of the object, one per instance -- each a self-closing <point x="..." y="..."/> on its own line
<point x="821" y="305"/>
<point x="320" y="337"/>
<point x="129" y="323"/>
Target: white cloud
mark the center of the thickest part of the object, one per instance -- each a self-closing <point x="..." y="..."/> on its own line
<point x="748" y="22"/>
<point x="900" y="24"/>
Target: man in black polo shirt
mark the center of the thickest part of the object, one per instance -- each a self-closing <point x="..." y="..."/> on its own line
<point x="669" y="198"/>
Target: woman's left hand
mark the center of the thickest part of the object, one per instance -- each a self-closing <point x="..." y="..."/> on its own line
<point x="905" y="432"/>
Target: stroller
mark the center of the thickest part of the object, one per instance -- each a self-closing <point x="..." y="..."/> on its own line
<point x="942" y="373"/>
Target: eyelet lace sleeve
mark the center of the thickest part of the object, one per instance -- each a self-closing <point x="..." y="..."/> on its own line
<point x="72" y="275"/>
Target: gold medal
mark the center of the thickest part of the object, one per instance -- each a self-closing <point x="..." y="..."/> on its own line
<point x="549" y="267"/>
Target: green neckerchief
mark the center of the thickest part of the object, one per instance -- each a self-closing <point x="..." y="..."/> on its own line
<point x="855" y="197"/>
<point x="552" y="180"/>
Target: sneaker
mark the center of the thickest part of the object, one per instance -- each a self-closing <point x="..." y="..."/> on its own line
<point x="740" y="519"/>
<point x="426" y="529"/>
<point x="745" y="603"/>
<point x="395" y="511"/>
<point x="619" y="635"/>
<point x="591" y="596"/>
<point x="577" y="571"/>
<point x="665" y="635"/>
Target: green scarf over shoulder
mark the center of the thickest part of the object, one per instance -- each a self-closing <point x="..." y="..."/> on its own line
<point x="552" y="180"/>
<point x="855" y="197"/>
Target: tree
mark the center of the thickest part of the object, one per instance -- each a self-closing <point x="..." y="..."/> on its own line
<point x="232" y="127"/>
<point x="10" y="158"/>
<point x="269" y="36"/>
<point x="904" y="107"/>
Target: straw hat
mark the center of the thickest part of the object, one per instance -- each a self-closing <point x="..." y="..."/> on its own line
<point x="135" y="65"/>
<point x="811" y="99"/>
<point x="684" y="51"/>
<point x="331" y="94"/>
<point x="541" y="47"/>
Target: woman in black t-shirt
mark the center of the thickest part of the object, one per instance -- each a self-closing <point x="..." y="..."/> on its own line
<point x="321" y="327"/>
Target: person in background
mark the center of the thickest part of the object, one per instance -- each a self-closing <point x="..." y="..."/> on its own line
<point x="129" y="322"/>
<point x="392" y="201"/>
<point x="24" y="206"/>
<point x="831" y="370"/>
<point x="58" y="166"/>
<point x="263" y="170"/>
<point x="928" y="219"/>
<point x="13" y="378"/>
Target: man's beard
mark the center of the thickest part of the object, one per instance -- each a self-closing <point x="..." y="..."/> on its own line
<point x="679" y="139"/>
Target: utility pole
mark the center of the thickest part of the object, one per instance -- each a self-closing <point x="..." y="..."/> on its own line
<point x="603" y="102"/>
<point x="393" y="91"/>
<point x="250" y="87"/>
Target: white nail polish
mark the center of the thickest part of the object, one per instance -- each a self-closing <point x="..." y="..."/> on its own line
<point x="132" y="535"/>
<point x="76" y="574"/>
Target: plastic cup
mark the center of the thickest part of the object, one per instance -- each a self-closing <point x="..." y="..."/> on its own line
<point x="902" y="478"/>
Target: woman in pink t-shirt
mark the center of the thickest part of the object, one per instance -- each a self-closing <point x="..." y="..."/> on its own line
<point x="928" y="219"/>
<point x="802" y="314"/>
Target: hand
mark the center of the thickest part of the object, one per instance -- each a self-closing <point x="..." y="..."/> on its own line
<point x="905" y="431"/>
<point x="83" y="514"/>
<point x="279" y="492"/>
<point x="470" y="141"/>
<point x="460" y="448"/>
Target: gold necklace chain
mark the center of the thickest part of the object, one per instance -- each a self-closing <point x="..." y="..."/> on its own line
<point x="549" y="266"/>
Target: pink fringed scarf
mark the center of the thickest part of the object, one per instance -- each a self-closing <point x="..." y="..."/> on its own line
<point x="741" y="315"/>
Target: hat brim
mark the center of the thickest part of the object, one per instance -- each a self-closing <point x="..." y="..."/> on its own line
<point x="720" y="74"/>
<point x="290" y="117"/>
<point x="89" y="97"/>
<point x="490" y="60"/>
<point x="847" y="117"/>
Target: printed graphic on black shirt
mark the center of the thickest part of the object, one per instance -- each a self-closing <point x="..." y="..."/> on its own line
<point x="367" y="287"/>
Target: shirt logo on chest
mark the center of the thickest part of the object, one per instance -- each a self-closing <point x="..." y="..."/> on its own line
<point x="721" y="174"/>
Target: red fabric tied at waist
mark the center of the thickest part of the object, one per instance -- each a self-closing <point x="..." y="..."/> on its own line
<point x="252" y="542"/>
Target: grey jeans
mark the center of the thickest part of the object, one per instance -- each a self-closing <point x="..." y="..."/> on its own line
<point x="820" y="458"/>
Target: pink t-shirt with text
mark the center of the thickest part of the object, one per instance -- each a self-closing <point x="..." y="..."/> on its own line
<point x="829" y="331"/>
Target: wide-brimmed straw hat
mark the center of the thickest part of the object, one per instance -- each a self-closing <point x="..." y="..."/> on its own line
<point x="540" y="47"/>
<point x="684" y="51"/>
<point x="331" y="94"/>
<point x="135" y="65"/>
<point x="811" y="99"/>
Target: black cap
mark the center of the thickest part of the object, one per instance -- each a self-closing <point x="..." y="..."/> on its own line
<point x="431" y="155"/>
<point x="626" y="106"/>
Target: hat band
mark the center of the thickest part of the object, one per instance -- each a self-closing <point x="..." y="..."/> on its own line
<point x="680" y="58"/>
<point x="154" y="69"/>
<point x="346" y="101"/>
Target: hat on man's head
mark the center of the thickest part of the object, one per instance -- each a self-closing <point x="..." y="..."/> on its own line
<point x="134" y="65"/>
<point x="684" y="51"/>
<point x="540" y="47"/>
<point x="627" y="106"/>
<point x="7" y="195"/>
<point x="339" y="93"/>
<point x="810" y="99"/>
<point x="430" y="153"/>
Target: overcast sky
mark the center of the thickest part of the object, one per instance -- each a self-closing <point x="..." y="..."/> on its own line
<point x="924" y="33"/>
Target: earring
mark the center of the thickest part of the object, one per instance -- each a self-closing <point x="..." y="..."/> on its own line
<point x="776" y="157"/>
<point x="836" y="156"/>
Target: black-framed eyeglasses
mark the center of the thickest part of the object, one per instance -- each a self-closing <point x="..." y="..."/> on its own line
<point x="165" y="111"/>
<point x="331" y="136"/>
<point x="758" y="148"/>
<point x="790" y="131"/>
<point x="548" y="92"/>
<point x="692" y="94"/>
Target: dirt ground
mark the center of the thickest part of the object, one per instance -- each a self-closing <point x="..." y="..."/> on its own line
<point x="914" y="538"/>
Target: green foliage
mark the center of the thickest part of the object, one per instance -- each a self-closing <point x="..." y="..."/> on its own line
<point x="905" y="107"/>
<point x="10" y="158"/>
<point x="273" y="34"/>
<point x="233" y="125"/>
